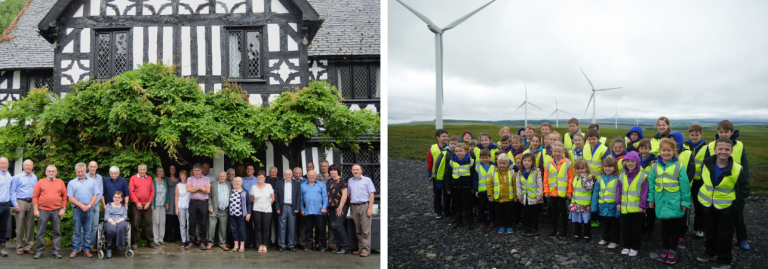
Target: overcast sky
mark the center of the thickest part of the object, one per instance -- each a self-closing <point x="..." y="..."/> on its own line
<point x="681" y="59"/>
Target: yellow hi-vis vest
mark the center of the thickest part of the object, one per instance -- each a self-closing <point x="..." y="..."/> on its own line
<point x="595" y="161"/>
<point x="631" y="193"/>
<point x="483" y="176"/>
<point x="493" y="154"/>
<point x="655" y="143"/>
<point x="603" y="139"/>
<point x="461" y="170"/>
<point x="607" y="192"/>
<point x="723" y="195"/>
<point x="558" y="178"/>
<point x="437" y="169"/>
<point x="568" y="142"/>
<point x="530" y="184"/>
<point x="497" y="186"/>
<point x="685" y="158"/>
<point x="440" y="168"/>
<point x="627" y="143"/>
<point x="667" y="179"/>
<point x="738" y="150"/>
<point x="580" y="195"/>
<point x="698" y="160"/>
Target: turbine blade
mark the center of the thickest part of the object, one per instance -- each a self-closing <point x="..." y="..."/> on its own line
<point x="582" y="71"/>
<point x="608" y="89"/>
<point x="564" y="112"/>
<point x="588" y="102"/>
<point x="462" y="19"/>
<point x="534" y="105"/>
<point x="553" y="113"/>
<point x="556" y="106"/>
<point x="520" y="106"/>
<point x="422" y="17"/>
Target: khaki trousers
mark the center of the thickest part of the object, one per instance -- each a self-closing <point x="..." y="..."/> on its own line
<point x="362" y="227"/>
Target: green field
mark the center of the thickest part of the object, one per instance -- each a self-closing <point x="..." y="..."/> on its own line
<point x="411" y="141"/>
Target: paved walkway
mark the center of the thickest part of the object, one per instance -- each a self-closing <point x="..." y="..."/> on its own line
<point x="171" y="256"/>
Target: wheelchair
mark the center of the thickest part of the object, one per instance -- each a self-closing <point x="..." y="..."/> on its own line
<point x="102" y="240"/>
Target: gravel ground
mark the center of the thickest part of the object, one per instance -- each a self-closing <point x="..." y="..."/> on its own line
<point x="418" y="240"/>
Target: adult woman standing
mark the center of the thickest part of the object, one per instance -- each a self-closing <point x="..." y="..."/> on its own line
<point x="337" y="208"/>
<point x="114" y="223"/>
<point x="182" y="209"/>
<point x="171" y="218"/>
<point x="159" y="206"/>
<point x="239" y="212"/>
<point x="262" y="195"/>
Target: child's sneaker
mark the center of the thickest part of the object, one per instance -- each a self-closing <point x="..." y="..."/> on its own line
<point x="519" y="225"/>
<point x="562" y="236"/>
<point x="534" y="232"/>
<point x="744" y="245"/>
<point x="553" y="234"/>
<point x="587" y="239"/>
<point x="706" y="258"/>
<point x="595" y="224"/>
<point x="625" y="251"/>
<point x="482" y="226"/>
<point x="632" y="253"/>
<point x="721" y="266"/>
<point x="501" y="231"/>
<point x="613" y="245"/>
<point x="493" y="225"/>
<point x="509" y="230"/>
<point x="671" y="257"/>
<point x="663" y="256"/>
<point x="681" y="241"/>
<point x="700" y="234"/>
<point x="575" y="238"/>
<point x="602" y="242"/>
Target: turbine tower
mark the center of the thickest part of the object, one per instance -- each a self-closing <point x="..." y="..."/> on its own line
<point x="617" y="117"/>
<point x="439" y="56"/>
<point x="592" y="98"/>
<point x="526" y="103"/>
<point x="637" y="120"/>
<point x="556" y="113"/>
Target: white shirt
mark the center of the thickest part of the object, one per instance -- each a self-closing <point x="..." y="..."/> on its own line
<point x="288" y="191"/>
<point x="261" y="199"/>
<point x="183" y="196"/>
<point x="211" y="178"/>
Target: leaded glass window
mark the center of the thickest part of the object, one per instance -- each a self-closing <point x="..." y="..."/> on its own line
<point x="245" y="53"/>
<point x="367" y="158"/>
<point x="111" y="54"/>
<point x="359" y="81"/>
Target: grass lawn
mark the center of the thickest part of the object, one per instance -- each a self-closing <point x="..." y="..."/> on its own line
<point x="412" y="141"/>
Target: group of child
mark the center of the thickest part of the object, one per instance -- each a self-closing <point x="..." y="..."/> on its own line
<point x="624" y="186"/>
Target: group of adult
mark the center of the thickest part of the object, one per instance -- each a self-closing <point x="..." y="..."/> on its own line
<point x="198" y="208"/>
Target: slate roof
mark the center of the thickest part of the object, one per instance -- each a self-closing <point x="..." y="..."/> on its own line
<point x="27" y="49"/>
<point x="351" y="27"/>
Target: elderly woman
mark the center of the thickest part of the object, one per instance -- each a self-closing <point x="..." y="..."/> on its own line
<point x="159" y="206"/>
<point x="114" y="223"/>
<point x="262" y="195"/>
<point x="239" y="213"/>
<point x="172" y="233"/>
<point x="182" y="209"/>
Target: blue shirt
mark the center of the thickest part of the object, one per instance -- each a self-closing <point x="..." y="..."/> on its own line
<point x="5" y="186"/>
<point x="111" y="186"/>
<point x="248" y="182"/>
<point x="360" y="189"/>
<point x="81" y="190"/>
<point x="99" y="184"/>
<point x="718" y="172"/>
<point x="313" y="198"/>
<point x="223" y="195"/>
<point x="22" y="186"/>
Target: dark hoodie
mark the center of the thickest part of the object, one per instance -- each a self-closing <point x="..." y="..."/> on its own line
<point x="463" y="182"/>
<point x="734" y="139"/>
<point x="690" y="167"/>
<point x="742" y="183"/>
<point x="696" y="146"/>
<point x="630" y="177"/>
<point x="631" y="144"/>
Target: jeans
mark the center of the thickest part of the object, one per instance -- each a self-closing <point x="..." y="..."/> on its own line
<point x="5" y="214"/>
<point x="95" y="227"/>
<point x="237" y="225"/>
<point x="315" y="222"/>
<point x="42" y="224"/>
<point x="183" y="224"/>
<point x="287" y="223"/>
<point x="337" y="227"/>
<point x="438" y="197"/>
<point x="81" y="237"/>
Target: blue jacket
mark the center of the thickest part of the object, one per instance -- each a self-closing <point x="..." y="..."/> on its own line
<point x="638" y="130"/>
<point x="606" y="209"/>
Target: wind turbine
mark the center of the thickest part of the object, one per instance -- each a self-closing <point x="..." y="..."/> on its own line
<point x="526" y="103"/>
<point x="637" y="120"/>
<point x="591" y="98"/>
<point x="557" y="117"/>
<point x="617" y="117"/>
<point x="439" y="56"/>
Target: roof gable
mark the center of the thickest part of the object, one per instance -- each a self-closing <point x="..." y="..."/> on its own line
<point x="23" y="47"/>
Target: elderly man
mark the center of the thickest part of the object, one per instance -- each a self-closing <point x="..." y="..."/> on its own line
<point x="207" y="173"/>
<point x="248" y="181"/>
<point x="21" y="198"/>
<point x="218" y="210"/>
<point x="325" y="177"/>
<point x="230" y="178"/>
<point x="82" y="194"/>
<point x="49" y="198"/>
<point x="300" y="221"/>
<point x="92" y="167"/>
<point x="142" y="192"/>
<point x="314" y="203"/>
<point x="288" y="198"/>
<point x="361" y="189"/>
<point x="5" y="202"/>
<point x="199" y="187"/>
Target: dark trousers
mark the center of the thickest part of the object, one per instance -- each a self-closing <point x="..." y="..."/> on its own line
<point x="250" y="232"/>
<point x="172" y="229"/>
<point x="136" y="217"/>
<point x="519" y="213"/>
<point x="316" y="223"/>
<point x="583" y="229"/>
<point x="505" y="215"/>
<point x="263" y="222"/>
<point x="718" y="230"/>
<point x="670" y="233"/>
<point x="438" y="197"/>
<point x="493" y="216"/>
<point x="5" y="214"/>
<point x="739" y="227"/>
<point x="42" y="224"/>
<point x="558" y="208"/>
<point x="699" y="217"/>
<point x="337" y="226"/>
<point x="115" y="234"/>
<point x="463" y="198"/>
<point x="531" y="219"/>
<point x="198" y="216"/>
<point x="632" y="229"/>
<point x="449" y="204"/>
<point x="483" y="208"/>
<point x="237" y="226"/>
<point x="650" y="221"/>
<point x="611" y="232"/>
